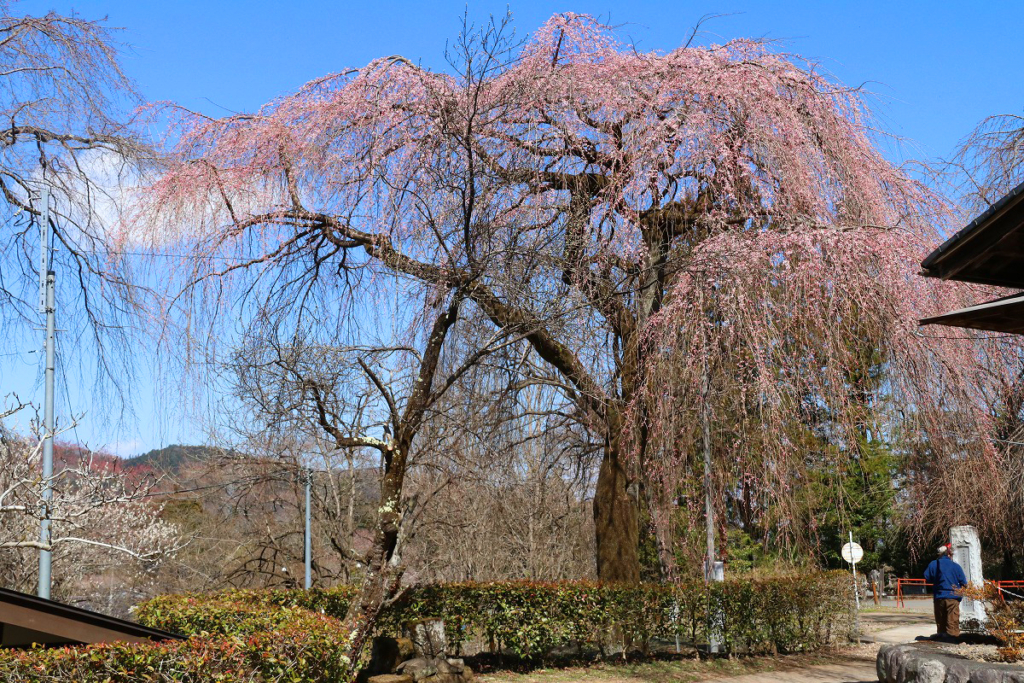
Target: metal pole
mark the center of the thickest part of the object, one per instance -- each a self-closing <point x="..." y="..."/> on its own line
<point x="713" y="571"/>
<point x="44" y="535"/>
<point x="49" y="307"/>
<point x="856" y="593"/>
<point x="308" y="536"/>
<point x="709" y="506"/>
<point x="675" y="625"/>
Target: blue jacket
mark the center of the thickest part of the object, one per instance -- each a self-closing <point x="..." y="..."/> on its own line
<point x="946" y="576"/>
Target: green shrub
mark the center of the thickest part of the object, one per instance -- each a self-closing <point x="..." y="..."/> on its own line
<point x="232" y="643"/>
<point x="785" y="614"/>
<point x="294" y="635"/>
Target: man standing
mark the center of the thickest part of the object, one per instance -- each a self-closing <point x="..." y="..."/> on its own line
<point x="945" y="577"/>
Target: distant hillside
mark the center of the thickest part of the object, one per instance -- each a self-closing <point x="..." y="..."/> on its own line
<point x="171" y="458"/>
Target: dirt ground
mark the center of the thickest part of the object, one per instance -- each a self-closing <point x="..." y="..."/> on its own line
<point x="854" y="664"/>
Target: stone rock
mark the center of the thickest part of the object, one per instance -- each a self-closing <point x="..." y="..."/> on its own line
<point x="437" y="670"/>
<point x="418" y="668"/>
<point x="924" y="662"/>
<point x="455" y="665"/>
<point x="890" y="664"/>
<point x="388" y="653"/>
<point x="389" y="678"/>
<point x="967" y="554"/>
<point x="987" y="676"/>
<point x="930" y="671"/>
<point x="443" y="667"/>
<point x="428" y="637"/>
<point x="958" y="672"/>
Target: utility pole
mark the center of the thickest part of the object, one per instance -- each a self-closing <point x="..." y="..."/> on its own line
<point x="308" y="583"/>
<point x="47" y="282"/>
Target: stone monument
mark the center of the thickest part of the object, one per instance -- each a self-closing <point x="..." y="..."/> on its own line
<point x="967" y="554"/>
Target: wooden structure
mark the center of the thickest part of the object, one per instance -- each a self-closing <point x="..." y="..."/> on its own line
<point x="26" y="619"/>
<point x="989" y="251"/>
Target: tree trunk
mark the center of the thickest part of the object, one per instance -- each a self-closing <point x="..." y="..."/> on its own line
<point x="383" y="566"/>
<point x="616" y="522"/>
<point x="382" y="576"/>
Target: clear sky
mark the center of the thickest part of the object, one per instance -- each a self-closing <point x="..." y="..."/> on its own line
<point x="935" y="70"/>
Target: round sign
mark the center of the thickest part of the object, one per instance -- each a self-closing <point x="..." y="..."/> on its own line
<point x="852" y="552"/>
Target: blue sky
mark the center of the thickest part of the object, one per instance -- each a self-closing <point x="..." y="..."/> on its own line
<point x="935" y="70"/>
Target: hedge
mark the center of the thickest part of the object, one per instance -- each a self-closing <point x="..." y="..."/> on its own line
<point x="782" y="614"/>
<point x="527" y="619"/>
<point x="294" y="635"/>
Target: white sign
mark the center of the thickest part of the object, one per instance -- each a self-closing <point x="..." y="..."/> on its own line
<point x="853" y="553"/>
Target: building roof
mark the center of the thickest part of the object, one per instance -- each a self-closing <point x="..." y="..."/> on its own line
<point x="26" y="619"/>
<point x="989" y="250"/>
<point x="1002" y="315"/>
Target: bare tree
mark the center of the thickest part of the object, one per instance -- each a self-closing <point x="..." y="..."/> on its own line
<point x="102" y="518"/>
<point x="259" y="500"/>
<point x="362" y="399"/>
<point x="64" y="106"/>
<point x="989" y="162"/>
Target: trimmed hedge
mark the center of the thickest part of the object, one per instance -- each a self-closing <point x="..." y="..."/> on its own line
<point x="294" y="635"/>
<point x="769" y="615"/>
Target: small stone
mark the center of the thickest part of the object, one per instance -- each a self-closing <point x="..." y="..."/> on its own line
<point x="457" y="665"/>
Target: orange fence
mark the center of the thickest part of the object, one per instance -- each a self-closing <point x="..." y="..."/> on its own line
<point x="1011" y="588"/>
<point x="913" y="584"/>
<point x="1015" y="589"/>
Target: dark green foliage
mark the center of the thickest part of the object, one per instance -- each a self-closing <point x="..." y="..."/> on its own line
<point x="867" y="490"/>
<point x="746" y="554"/>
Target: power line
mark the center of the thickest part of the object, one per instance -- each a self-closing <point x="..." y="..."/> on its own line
<point x="156" y="254"/>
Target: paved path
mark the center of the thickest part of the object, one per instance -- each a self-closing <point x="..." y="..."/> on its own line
<point x="859" y="668"/>
<point x="896" y="627"/>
